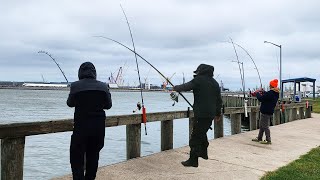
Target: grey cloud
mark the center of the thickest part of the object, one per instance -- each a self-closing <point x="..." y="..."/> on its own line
<point x="175" y="36"/>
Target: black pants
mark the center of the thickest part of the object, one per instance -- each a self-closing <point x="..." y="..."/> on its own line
<point x="90" y="147"/>
<point x="199" y="140"/>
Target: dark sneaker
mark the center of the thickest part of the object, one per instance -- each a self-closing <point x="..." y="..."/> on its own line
<point x="265" y="142"/>
<point x="256" y="140"/>
<point x="190" y="163"/>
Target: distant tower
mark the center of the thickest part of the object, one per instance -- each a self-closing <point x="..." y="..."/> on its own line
<point x="183" y="78"/>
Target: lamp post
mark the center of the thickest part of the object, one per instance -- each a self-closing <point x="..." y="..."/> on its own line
<point x="281" y="90"/>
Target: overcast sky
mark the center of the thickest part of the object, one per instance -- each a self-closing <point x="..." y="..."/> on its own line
<point x="173" y="35"/>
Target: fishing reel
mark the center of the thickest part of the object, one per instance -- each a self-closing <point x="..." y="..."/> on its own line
<point x="138" y="107"/>
<point x="174" y="96"/>
<point x="260" y="91"/>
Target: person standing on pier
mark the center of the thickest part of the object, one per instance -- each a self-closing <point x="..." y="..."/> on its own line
<point x="207" y="106"/>
<point x="268" y="102"/>
<point x="89" y="97"/>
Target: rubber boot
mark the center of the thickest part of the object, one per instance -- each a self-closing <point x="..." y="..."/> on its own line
<point x="201" y="151"/>
<point x="204" y="153"/>
<point x="192" y="161"/>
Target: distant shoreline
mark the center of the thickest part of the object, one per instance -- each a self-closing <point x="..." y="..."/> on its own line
<point x="67" y="89"/>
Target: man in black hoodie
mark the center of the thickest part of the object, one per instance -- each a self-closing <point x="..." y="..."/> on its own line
<point x="89" y="97"/>
<point x="206" y="107"/>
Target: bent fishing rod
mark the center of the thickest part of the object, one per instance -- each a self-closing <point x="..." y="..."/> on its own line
<point x="251" y="60"/>
<point x="147" y="63"/>
<point x="242" y="79"/>
<point x="45" y="52"/>
<point x="144" y="115"/>
<point x="241" y="73"/>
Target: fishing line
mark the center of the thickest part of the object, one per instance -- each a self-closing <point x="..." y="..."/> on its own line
<point x="242" y="78"/>
<point x="147" y="63"/>
<point x="243" y="83"/>
<point x="44" y="52"/>
<point x="251" y="60"/>
<point x="144" y="120"/>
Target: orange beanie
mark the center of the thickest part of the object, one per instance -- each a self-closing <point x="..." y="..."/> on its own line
<point x="274" y="83"/>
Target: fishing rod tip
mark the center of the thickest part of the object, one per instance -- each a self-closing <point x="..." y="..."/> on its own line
<point x="41" y="51"/>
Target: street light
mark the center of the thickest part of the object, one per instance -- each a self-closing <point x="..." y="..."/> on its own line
<point x="281" y="90"/>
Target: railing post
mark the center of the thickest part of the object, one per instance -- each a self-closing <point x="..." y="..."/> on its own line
<point x="223" y="99"/>
<point x="236" y="102"/>
<point x="282" y="116"/>
<point x="235" y="123"/>
<point x="286" y="115"/>
<point x="294" y="114"/>
<point x="12" y="156"/>
<point x="166" y="135"/>
<point x="242" y="101"/>
<point x="308" y="112"/>
<point x="276" y="117"/>
<point x="133" y="140"/>
<point x="301" y="113"/>
<point x="191" y="123"/>
<point x="218" y="128"/>
<point x="253" y="120"/>
<point x="289" y="112"/>
<point x="227" y="102"/>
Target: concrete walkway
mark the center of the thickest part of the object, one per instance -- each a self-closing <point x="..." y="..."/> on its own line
<point x="231" y="157"/>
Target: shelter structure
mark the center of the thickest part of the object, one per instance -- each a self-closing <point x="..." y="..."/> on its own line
<point x="299" y="81"/>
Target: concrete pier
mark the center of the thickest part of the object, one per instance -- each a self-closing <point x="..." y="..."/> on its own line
<point x="230" y="157"/>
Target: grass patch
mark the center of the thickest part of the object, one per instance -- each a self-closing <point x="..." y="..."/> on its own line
<point x="315" y="105"/>
<point x="306" y="167"/>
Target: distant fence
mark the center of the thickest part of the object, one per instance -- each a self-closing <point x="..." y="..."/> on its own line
<point x="237" y="100"/>
<point x="13" y="135"/>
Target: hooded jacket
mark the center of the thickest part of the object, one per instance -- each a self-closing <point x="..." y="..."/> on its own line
<point x="206" y="92"/>
<point x="89" y="97"/>
<point x="268" y="101"/>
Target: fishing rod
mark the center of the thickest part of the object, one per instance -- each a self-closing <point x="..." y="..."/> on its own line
<point x="144" y="115"/>
<point x="45" y="52"/>
<point x="241" y="75"/>
<point x="146" y="62"/>
<point x="242" y="79"/>
<point x="251" y="60"/>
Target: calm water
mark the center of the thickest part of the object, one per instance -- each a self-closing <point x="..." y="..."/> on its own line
<point x="47" y="156"/>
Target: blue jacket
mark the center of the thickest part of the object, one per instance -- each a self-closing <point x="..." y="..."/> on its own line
<point x="268" y="101"/>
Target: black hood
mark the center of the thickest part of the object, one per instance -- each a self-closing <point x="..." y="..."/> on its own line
<point x="87" y="70"/>
<point x="204" y="69"/>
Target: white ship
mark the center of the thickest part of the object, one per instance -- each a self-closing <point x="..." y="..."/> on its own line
<point x="44" y="85"/>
